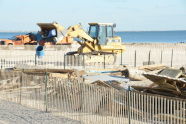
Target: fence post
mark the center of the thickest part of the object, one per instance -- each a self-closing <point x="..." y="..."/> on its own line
<point x="1" y="64"/>
<point x="104" y="60"/>
<point x="35" y="59"/>
<point x="4" y="63"/>
<point x="161" y="60"/>
<point x="46" y="97"/>
<point x="149" y="57"/>
<point x="83" y="61"/>
<point x="172" y="57"/>
<point x="64" y="64"/>
<point x="121" y="57"/>
<point x="21" y="79"/>
<point x="129" y="104"/>
<point x="74" y="57"/>
<point x="135" y="58"/>
<point x="78" y="60"/>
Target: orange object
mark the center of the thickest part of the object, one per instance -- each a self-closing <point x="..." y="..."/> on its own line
<point x="18" y="40"/>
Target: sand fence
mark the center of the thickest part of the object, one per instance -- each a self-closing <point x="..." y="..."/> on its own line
<point x="89" y="103"/>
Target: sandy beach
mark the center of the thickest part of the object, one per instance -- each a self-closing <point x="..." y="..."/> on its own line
<point x="23" y="115"/>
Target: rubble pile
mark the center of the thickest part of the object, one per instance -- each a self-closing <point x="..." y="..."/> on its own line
<point x="168" y="82"/>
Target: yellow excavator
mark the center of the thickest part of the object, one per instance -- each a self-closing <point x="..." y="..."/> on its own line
<point x="99" y="40"/>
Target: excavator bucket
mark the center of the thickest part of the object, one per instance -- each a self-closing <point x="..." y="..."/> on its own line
<point x="49" y="26"/>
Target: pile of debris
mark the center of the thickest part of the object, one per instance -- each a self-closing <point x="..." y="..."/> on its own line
<point x="168" y="82"/>
<point x="156" y="79"/>
<point x="110" y="84"/>
<point x="12" y="77"/>
<point x="58" y="73"/>
<point x="136" y="74"/>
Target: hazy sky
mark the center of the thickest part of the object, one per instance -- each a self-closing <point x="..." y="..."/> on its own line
<point x="129" y="15"/>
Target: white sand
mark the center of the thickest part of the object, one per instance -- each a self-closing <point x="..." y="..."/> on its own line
<point x="12" y="113"/>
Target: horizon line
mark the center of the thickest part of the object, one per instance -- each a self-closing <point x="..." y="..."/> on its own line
<point x="115" y="31"/>
<point x="147" y="30"/>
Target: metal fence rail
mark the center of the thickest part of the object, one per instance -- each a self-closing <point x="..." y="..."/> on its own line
<point x="52" y="61"/>
<point x="135" y="55"/>
<point x="169" y="58"/>
<point x="90" y="103"/>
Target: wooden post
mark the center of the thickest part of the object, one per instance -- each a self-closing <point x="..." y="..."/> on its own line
<point x="83" y="61"/>
<point x="64" y="61"/>
<point x="46" y="96"/>
<point x="74" y="59"/>
<point x="21" y="82"/>
<point x="71" y="60"/>
<point x="161" y="60"/>
<point x="129" y="104"/>
<point x="121" y="57"/>
<point x="172" y="57"/>
<point x="149" y="57"/>
<point x="1" y="64"/>
<point x="35" y="59"/>
<point x="104" y="61"/>
<point x="135" y="58"/>
<point x="78" y="60"/>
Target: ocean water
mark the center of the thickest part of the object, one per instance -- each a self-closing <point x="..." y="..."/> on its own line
<point x="132" y="36"/>
<point x="153" y="36"/>
<point x="5" y="35"/>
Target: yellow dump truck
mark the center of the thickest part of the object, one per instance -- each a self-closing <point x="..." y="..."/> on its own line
<point x="53" y="34"/>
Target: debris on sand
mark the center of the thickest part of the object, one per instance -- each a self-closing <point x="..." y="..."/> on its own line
<point x="168" y="82"/>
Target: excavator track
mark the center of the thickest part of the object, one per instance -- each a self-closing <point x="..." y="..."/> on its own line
<point x="91" y="59"/>
<point x="107" y="59"/>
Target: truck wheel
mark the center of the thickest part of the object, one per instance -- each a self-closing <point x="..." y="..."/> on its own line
<point x="10" y="44"/>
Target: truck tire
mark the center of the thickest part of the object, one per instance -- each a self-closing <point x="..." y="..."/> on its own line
<point x="10" y="44"/>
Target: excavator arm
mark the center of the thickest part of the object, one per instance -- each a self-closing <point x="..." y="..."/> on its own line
<point x="76" y="31"/>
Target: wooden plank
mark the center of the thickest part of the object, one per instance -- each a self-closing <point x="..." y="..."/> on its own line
<point x="157" y="78"/>
<point x="174" y="73"/>
<point x="47" y="70"/>
<point x="152" y="67"/>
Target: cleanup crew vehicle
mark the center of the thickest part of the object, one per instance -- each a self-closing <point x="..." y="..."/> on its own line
<point x="26" y="39"/>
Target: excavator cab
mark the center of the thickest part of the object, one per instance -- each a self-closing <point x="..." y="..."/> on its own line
<point x="102" y="32"/>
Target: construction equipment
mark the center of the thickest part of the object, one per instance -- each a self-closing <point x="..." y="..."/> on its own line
<point x="57" y="36"/>
<point x="100" y="40"/>
<point x="19" y="40"/>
